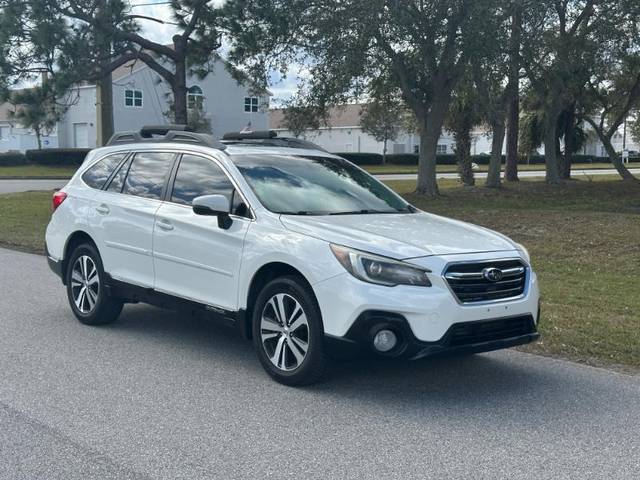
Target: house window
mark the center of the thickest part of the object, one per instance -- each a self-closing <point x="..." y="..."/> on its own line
<point x="133" y="98"/>
<point x="251" y="104"/>
<point x="441" y="149"/>
<point x="195" y="98"/>
<point x="4" y="133"/>
<point x="416" y="149"/>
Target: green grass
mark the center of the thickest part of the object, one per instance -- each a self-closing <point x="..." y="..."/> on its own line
<point x="584" y="239"/>
<point x="23" y="219"/>
<point x="37" y="171"/>
<point x="390" y="169"/>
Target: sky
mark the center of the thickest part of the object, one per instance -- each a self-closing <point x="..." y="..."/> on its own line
<point x="282" y="88"/>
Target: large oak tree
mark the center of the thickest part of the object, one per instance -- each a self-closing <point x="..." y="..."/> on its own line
<point x="420" y="46"/>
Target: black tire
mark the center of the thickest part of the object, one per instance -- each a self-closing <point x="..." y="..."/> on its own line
<point x="314" y="364"/>
<point x="105" y="309"/>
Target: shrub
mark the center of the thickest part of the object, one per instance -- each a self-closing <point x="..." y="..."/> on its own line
<point x="12" y="159"/>
<point x="362" y="158"/>
<point x="57" y="156"/>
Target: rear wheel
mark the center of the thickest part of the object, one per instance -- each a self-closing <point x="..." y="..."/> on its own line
<point x="288" y="332"/>
<point x="86" y="291"/>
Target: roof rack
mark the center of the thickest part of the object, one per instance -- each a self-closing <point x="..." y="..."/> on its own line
<point x="257" y="135"/>
<point x="165" y="134"/>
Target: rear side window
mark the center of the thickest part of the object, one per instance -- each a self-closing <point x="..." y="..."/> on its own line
<point x="99" y="173"/>
<point x="117" y="182"/>
<point x="147" y="174"/>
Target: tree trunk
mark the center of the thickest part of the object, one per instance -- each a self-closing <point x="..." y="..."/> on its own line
<point x="384" y="152"/>
<point x="104" y="107"/>
<point x="567" y="157"/>
<point x="427" y="183"/>
<point x="463" y="155"/>
<point x="495" y="163"/>
<point x="550" y="145"/>
<point x="513" y="112"/>
<point x="180" y="86"/>
<point x="38" y="138"/>
<point x="616" y="160"/>
<point x="104" y="85"/>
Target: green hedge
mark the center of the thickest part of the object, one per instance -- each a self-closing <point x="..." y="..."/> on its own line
<point x="362" y="158"/>
<point x="57" y="156"/>
<point x="12" y="159"/>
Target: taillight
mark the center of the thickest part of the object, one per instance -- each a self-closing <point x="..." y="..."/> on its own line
<point x="58" y="198"/>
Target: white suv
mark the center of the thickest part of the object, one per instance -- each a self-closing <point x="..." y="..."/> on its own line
<point x="305" y="252"/>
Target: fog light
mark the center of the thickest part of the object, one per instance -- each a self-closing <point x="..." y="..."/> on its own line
<point x="384" y="341"/>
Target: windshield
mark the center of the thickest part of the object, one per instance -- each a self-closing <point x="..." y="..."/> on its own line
<point x="301" y="185"/>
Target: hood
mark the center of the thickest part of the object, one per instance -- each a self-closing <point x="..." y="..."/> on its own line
<point x="400" y="236"/>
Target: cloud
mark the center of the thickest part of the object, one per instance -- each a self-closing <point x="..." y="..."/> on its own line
<point x="157" y="32"/>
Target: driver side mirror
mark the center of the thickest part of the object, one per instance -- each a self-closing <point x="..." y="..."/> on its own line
<point x="214" y="205"/>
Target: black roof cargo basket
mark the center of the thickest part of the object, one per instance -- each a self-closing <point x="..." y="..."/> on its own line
<point x="165" y="133"/>
<point x="257" y="135"/>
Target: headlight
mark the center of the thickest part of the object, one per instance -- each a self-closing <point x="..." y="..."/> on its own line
<point x="524" y="252"/>
<point x="379" y="270"/>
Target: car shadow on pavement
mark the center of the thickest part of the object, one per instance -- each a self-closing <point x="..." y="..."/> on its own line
<point x="497" y="383"/>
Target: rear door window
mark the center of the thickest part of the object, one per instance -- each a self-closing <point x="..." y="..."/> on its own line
<point x="148" y="174"/>
<point x="98" y="174"/>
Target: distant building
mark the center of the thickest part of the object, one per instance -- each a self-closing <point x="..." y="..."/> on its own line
<point x="343" y="133"/>
<point x="141" y="98"/>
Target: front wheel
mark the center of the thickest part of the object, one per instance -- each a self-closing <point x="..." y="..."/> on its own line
<point x="288" y="332"/>
<point x="86" y="290"/>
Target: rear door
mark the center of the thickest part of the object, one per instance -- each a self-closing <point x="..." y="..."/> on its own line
<point x="123" y="216"/>
<point x="193" y="257"/>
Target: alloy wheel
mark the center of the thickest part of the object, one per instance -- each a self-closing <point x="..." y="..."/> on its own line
<point x="85" y="284"/>
<point x="285" y="332"/>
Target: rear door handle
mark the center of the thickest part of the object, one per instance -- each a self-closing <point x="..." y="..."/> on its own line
<point x="165" y="225"/>
<point x="102" y="209"/>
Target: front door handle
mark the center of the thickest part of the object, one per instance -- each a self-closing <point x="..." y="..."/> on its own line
<point x="102" y="209"/>
<point x="165" y="224"/>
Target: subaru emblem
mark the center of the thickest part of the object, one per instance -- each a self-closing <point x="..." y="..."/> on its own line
<point x="492" y="274"/>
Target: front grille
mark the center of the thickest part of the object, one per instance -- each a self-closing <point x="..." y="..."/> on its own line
<point x="470" y="333"/>
<point x="474" y="282"/>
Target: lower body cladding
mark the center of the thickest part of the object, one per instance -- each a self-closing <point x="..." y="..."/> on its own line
<point x="414" y="322"/>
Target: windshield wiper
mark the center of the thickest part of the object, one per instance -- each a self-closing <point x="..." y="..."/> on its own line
<point x="367" y="212"/>
<point x="301" y="212"/>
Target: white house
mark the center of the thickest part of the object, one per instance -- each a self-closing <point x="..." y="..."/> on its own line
<point x="141" y="98"/>
<point x="343" y="133"/>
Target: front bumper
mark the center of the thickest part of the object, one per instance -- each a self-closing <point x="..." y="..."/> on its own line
<point x="460" y="338"/>
<point x="425" y="315"/>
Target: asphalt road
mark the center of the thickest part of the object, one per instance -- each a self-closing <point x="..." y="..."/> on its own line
<point x="12" y="186"/>
<point x="163" y="396"/>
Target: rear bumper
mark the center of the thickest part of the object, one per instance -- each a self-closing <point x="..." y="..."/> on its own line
<point x="460" y="338"/>
<point x="54" y="265"/>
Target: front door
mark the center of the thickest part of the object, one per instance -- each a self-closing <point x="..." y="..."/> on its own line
<point x="193" y="257"/>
